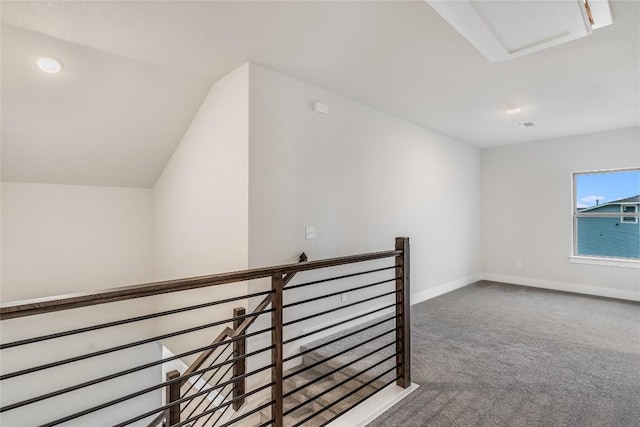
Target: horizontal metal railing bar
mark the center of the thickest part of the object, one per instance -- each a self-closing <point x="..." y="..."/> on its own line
<point x="226" y="396"/>
<point x="186" y="392"/>
<point x="340" y="384"/>
<point x="84" y="299"/>
<point x="139" y="393"/>
<point x="230" y="381"/>
<point x="344" y="291"/>
<point x="345" y="276"/>
<point x="221" y="377"/>
<point x="217" y="408"/>
<point x="161" y="416"/>
<point x="320" y="362"/>
<point x="132" y="370"/>
<point x="362" y="400"/>
<point x="125" y="346"/>
<point x="129" y="320"/>
<point x="342" y="322"/>
<point x="195" y="380"/>
<point x="342" y="307"/>
<point x="350" y="334"/>
<point x="268" y="423"/>
<point x="225" y="409"/>
<point x="335" y="370"/>
<point x="246" y="324"/>
<point x="239" y="377"/>
<point x="248" y="414"/>
<point x="200" y="393"/>
<point x="332" y="404"/>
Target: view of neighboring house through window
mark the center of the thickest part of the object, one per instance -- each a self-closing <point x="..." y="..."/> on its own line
<point x="629" y="209"/>
<point x="606" y="211"/>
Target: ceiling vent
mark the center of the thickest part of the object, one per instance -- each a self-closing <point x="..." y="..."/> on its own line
<point x="526" y="124"/>
<point x="504" y="30"/>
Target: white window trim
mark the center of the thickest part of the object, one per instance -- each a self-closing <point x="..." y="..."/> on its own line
<point x="622" y="218"/>
<point x="607" y="262"/>
<point x="594" y="260"/>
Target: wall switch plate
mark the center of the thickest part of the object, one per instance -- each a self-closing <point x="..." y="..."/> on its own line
<point x="518" y="264"/>
<point x="310" y="233"/>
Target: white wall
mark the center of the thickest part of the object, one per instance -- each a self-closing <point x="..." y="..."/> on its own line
<point x="201" y="208"/>
<point x="200" y="200"/>
<point x="59" y="239"/>
<point x="361" y="177"/>
<point x="526" y="212"/>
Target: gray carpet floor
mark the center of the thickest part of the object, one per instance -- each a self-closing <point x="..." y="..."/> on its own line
<point x="493" y="354"/>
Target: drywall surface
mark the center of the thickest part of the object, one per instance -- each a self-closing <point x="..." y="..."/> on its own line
<point x="201" y="209"/>
<point x="200" y="199"/>
<point x="59" y="239"/>
<point x="361" y="178"/>
<point x="72" y="375"/>
<point x="526" y="211"/>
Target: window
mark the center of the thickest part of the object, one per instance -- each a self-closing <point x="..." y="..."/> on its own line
<point x="600" y="231"/>
<point x="629" y="209"/>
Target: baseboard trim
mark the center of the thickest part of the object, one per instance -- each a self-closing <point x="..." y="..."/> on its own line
<point x="415" y="299"/>
<point x="563" y="286"/>
<point x="428" y="294"/>
<point x="373" y="407"/>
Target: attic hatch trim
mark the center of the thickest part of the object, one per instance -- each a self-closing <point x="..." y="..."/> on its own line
<point x="502" y="31"/>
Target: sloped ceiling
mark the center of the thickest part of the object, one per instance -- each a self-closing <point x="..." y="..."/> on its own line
<point x="105" y="120"/>
<point x="136" y="72"/>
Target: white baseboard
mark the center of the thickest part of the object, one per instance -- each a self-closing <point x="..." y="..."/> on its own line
<point x="415" y="299"/>
<point x="443" y="289"/>
<point x="563" y="286"/>
<point x="373" y="407"/>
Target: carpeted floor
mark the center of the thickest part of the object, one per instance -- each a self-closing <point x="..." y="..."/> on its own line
<point x="494" y="354"/>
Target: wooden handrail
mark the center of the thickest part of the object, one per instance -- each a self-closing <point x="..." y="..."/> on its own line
<point x="231" y="333"/>
<point x="85" y="299"/>
<point x="280" y="277"/>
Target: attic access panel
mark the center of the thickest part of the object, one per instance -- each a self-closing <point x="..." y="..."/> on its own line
<point x="504" y="30"/>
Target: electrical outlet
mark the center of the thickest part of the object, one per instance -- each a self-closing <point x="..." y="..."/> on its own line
<point x="343" y="297"/>
<point x="518" y="264"/>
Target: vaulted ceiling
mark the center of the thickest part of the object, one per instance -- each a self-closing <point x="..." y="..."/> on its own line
<point x="135" y="73"/>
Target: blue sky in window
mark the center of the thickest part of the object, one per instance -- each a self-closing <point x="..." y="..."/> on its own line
<point x="606" y="187"/>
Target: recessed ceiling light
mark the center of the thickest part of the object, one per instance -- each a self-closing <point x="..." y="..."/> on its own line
<point x="513" y="110"/>
<point x="49" y="64"/>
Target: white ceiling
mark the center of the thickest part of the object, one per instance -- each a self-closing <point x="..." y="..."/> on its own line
<point x="136" y="72"/>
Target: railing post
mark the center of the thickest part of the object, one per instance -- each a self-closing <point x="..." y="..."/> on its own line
<point x="403" y="309"/>
<point x="173" y="394"/>
<point x="239" y="366"/>
<point x="277" y="285"/>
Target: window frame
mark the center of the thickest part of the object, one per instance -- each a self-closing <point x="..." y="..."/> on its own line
<point x="624" y="219"/>
<point x="591" y="259"/>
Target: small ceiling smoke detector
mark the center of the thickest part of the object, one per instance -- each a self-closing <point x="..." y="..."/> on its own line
<point x="513" y="110"/>
<point x="526" y="124"/>
<point x="49" y="64"/>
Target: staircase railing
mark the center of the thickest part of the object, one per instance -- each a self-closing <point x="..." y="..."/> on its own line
<point x="75" y="384"/>
<point x="238" y="387"/>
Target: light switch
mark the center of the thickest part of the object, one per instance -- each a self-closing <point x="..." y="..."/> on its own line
<point x="310" y="233"/>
